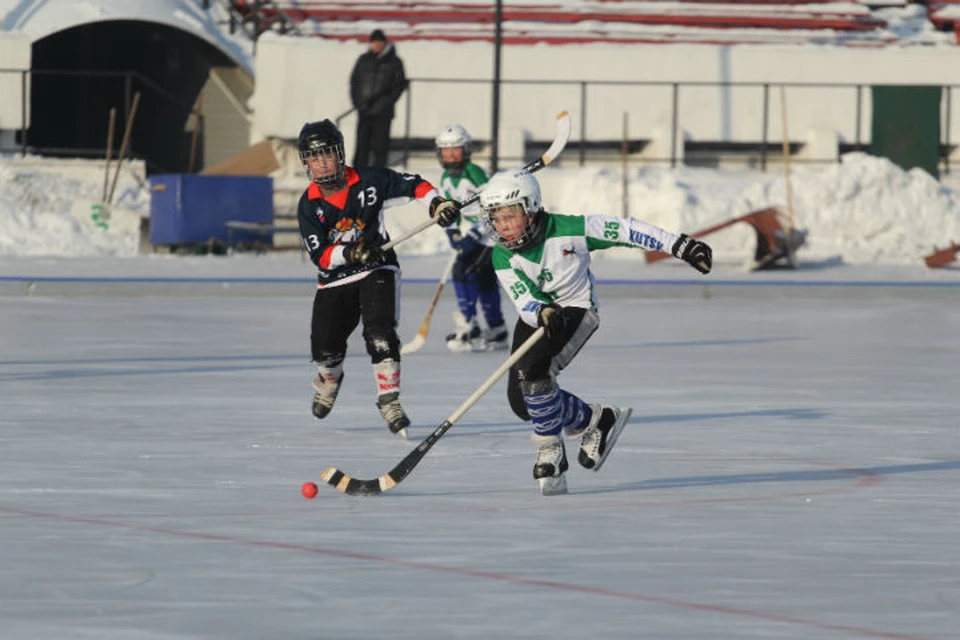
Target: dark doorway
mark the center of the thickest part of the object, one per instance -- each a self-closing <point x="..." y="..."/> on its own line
<point x="80" y="73"/>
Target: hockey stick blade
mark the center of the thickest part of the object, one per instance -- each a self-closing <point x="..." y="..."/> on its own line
<point x="556" y="147"/>
<point x="414" y="345"/>
<point x="356" y="487"/>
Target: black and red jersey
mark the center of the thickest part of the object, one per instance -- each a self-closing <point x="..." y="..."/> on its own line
<point x="329" y="222"/>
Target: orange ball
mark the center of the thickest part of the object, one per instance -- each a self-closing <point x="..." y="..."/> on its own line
<point x="309" y="490"/>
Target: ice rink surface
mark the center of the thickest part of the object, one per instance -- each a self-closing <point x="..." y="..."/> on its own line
<point x="791" y="470"/>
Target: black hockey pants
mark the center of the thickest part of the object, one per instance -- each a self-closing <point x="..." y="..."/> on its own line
<point x="338" y="310"/>
<point x="547" y="358"/>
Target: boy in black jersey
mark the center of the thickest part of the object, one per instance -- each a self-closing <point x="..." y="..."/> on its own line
<point x="341" y="223"/>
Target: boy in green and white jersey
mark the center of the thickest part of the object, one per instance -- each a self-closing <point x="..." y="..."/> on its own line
<point x="474" y="281"/>
<point x="543" y="263"/>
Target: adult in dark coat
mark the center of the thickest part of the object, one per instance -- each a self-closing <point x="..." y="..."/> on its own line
<point x="376" y="83"/>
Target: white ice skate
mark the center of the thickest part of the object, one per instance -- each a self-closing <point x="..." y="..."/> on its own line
<point x="551" y="465"/>
<point x="393" y="414"/>
<point x="327" y="388"/>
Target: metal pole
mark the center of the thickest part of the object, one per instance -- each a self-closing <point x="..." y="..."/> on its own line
<point x="624" y="150"/>
<point x="406" y="131"/>
<point x="583" y="123"/>
<point x="859" y="103"/>
<point x="23" y="112"/>
<point x="127" y="92"/>
<point x="766" y="120"/>
<point x="946" y="126"/>
<point x="495" y="124"/>
<point x="674" y="124"/>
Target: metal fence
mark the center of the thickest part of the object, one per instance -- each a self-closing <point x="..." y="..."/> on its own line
<point x="765" y="140"/>
<point x="680" y="98"/>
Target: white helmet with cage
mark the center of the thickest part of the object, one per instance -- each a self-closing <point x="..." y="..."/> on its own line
<point x="454" y="136"/>
<point x="507" y="192"/>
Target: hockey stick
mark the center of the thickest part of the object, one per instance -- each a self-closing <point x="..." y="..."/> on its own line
<point x="354" y="487"/>
<point x="548" y="156"/>
<point x="421" y="338"/>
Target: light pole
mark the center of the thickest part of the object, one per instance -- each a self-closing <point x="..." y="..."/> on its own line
<point x="495" y="110"/>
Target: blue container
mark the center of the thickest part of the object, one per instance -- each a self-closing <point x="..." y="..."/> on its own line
<point x="188" y="208"/>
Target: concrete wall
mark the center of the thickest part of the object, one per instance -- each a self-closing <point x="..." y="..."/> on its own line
<point x="14" y="58"/>
<point x="307" y="79"/>
<point x="226" y="124"/>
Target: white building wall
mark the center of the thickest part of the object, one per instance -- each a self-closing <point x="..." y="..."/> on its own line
<point x="14" y="59"/>
<point x="307" y="79"/>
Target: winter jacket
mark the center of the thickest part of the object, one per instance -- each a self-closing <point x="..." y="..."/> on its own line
<point x="377" y="82"/>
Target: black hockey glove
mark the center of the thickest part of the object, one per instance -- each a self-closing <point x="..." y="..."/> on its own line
<point x="554" y="320"/>
<point x="694" y="252"/>
<point x="445" y="212"/>
<point x="356" y="253"/>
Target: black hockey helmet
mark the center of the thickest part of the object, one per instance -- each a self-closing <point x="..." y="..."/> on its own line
<point x="319" y="140"/>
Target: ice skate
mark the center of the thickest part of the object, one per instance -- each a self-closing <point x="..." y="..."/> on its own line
<point x="393" y="414"/>
<point x="551" y="465"/>
<point x="466" y="336"/>
<point x="327" y="388"/>
<point x="601" y="435"/>
<point x="496" y="338"/>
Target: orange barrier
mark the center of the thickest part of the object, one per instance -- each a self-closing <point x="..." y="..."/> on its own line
<point x="773" y="241"/>
<point x="942" y="257"/>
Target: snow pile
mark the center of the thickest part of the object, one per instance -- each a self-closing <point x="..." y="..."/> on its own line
<point x="864" y="209"/>
<point x="45" y="208"/>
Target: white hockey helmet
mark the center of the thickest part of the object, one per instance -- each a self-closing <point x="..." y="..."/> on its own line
<point x="518" y="190"/>
<point x="451" y="137"/>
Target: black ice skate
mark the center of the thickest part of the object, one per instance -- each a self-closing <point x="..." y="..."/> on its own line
<point x="326" y="395"/>
<point x="496" y="338"/>
<point x="550" y="466"/>
<point x="393" y="414"/>
<point x="601" y="435"/>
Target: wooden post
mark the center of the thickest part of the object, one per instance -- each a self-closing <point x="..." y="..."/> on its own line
<point x="106" y="169"/>
<point x="197" y="115"/>
<point x="123" y="145"/>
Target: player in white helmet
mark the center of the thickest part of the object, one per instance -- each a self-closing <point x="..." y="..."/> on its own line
<point x="474" y="281"/>
<point x="543" y="263"/>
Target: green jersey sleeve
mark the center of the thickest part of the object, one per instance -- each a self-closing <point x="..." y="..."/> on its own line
<point x="603" y="232"/>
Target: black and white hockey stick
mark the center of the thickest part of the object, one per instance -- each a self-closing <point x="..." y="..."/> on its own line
<point x="421" y="338"/>
<point x="354" y="487"/>
<point x="548" y="156"/>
